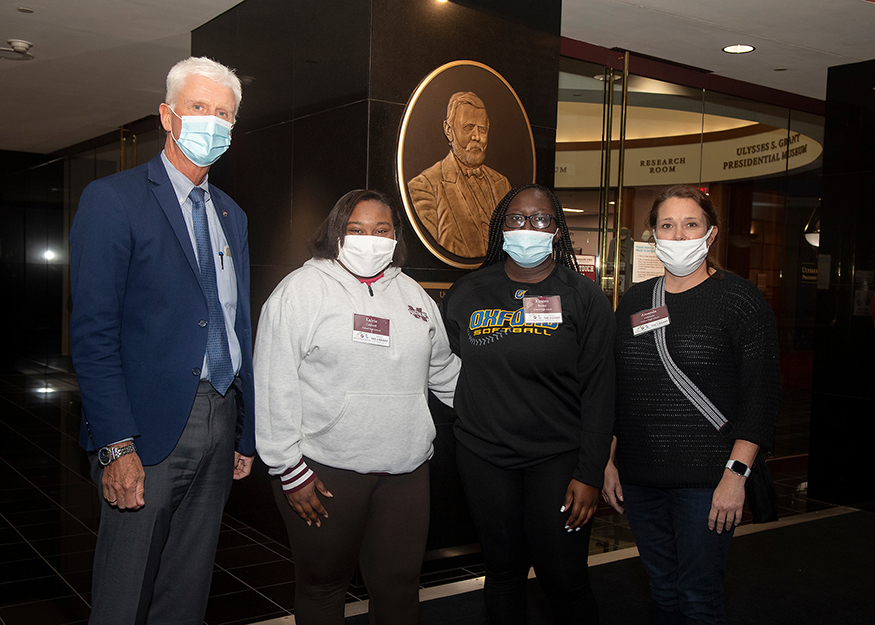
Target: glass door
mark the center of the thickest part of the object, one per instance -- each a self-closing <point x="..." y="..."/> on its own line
<point x="621" y="139"/>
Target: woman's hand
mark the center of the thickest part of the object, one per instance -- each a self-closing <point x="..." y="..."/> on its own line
<point x="582" y="499"/>
<point x="305" y="502"/>
<point x="728" y="500"/>
<point x="612" y="491"/>
<point x="727" y="503"/>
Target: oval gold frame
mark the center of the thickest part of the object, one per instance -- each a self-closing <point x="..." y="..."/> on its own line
<point x="402" y="183"/>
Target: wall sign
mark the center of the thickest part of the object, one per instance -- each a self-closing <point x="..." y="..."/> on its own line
<point x="765" y="151"/>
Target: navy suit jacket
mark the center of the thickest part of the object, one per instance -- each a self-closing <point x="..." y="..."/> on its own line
<point x="137" y="339"/>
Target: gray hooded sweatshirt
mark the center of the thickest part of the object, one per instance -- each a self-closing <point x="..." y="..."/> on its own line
<point x="323" y="391"/>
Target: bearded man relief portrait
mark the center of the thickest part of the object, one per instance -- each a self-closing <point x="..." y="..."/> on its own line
<point x="455" y="166"/>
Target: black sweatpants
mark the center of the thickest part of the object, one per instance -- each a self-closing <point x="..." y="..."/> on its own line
<point x="377" y="521"/>
<point x="519" y="525"/>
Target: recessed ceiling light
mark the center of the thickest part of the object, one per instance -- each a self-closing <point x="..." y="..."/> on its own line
<point x="780" y="69"/>
<point x="739" y="48"/>
<point x="24" y="10"/>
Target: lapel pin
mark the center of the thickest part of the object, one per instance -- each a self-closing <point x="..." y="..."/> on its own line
<point x="224" y="213"/>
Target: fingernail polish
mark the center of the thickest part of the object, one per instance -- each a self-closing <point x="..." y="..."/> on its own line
<point x="562" y="509"/>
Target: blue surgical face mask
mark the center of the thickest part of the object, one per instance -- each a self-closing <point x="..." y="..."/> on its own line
<point x="528" y="248"/>
<point x="203" y="138"/>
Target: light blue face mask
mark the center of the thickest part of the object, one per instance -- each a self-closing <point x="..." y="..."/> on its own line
<point x="203" y="138"/>
<point x="528" y="248"/>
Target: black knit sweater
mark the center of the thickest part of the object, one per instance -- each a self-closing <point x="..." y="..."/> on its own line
<point x="723" y="336"/>
<point x="527" y="393"/>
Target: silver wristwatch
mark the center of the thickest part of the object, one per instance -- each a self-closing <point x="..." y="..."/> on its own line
<point x="107" y="454"/>
<point x="738" y="467"/>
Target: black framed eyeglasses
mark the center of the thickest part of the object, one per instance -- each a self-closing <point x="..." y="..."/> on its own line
<point x="539" y="222"/>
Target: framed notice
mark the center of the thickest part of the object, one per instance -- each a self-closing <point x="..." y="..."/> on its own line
<point x="645" y="264"/>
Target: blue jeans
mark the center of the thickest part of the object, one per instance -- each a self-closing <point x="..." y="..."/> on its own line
<point x="686" y="562"/>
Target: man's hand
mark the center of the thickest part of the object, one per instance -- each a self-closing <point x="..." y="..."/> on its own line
<point x="242" y="465"/>
<point x="123" y="482"/>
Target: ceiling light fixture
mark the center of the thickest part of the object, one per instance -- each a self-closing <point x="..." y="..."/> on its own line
<point x="739" y="48"/>
<point x="17" y="50"/>
<point x="617" y="78"/>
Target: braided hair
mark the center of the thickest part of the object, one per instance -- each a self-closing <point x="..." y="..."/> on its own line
<point x="563" y="252"/>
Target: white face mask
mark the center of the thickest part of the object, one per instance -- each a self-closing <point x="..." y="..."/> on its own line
<point x="366" y="256"/>
<point x="681" y="258"/>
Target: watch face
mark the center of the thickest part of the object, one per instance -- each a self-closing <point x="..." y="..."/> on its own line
<point x="739" y="468"/>
<point x="104" y="456"/>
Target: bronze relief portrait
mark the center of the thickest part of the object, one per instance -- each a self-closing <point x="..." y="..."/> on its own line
<point x="465" y="141"/>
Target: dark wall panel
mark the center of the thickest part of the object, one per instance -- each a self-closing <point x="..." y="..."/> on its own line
<point x="31" y="223"/>
<point x="411" y="39"/>
<point x="325" y="87"/>
<point x="843" y="399"/>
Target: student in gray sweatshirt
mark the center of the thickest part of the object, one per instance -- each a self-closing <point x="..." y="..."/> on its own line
<point x="346" y="352"/>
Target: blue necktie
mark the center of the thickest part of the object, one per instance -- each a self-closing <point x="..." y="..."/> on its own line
<point x="218" y="353"/>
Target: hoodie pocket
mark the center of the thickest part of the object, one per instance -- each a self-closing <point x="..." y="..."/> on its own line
<point x="378" y="432"/>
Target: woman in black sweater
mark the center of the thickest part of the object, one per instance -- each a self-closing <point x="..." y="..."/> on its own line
<point x="682" y="479"/>
<point x="535" y="407"/>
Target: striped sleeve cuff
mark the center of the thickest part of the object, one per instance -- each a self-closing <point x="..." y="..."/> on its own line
<point x="297" y="477"/>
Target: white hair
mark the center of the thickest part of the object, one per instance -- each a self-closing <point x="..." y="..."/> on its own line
<point x="208" y="68"/>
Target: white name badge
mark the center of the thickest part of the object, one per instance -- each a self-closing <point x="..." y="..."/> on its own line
<point x="542" y="309"/>
<point x="649" y="320"/>
<point x="370" y="330"/>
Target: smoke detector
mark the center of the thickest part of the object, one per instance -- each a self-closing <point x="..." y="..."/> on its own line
<point x="17" y="50"/>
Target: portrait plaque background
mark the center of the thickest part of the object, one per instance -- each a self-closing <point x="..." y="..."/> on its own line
<point x="510" y="146"/>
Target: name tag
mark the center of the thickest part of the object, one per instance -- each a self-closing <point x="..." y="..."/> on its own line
<point x="542" y="309"/>
<point x="370" y="330"/>
<point x="649" y="320"/>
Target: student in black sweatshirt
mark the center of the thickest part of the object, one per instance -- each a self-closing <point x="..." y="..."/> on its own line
<point x="535" y="404"/>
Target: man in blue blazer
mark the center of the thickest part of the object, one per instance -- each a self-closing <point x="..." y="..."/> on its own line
<point x="161" y="340"/>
